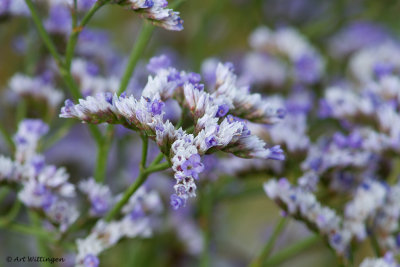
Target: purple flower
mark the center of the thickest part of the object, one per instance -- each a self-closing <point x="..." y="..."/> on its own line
<point x="108" y="97"/>
<point x="137" y="212"/>
<point x="354" y="140"/>
<point x="38" y="164"/>
<point x="4" y="6"/>
<point x="59" y="20"/>
<point x="193" y="78"/>
<point x="340" y="140"/>
<point x="382" y="69"/>
<point x="193" y="166"/>
<point x="276" y="153"/>
<point x="211" y="141"/>
<point x="281" y="113"/>
<point x="158" y="63"/>
<point x="91" y="261"/>
<point x="177" y="202"/>
<point x="222" y="110"/>
<point x="155" y="106"/>
<point x="99" y="205"/>
<point x="307" y="68"/>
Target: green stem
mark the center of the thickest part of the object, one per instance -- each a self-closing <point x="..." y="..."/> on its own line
<point x="41" y="241"/>
<point x="266" y="251"/>
<point x="43" y="33"/>
<point x="292" y="250"/>
<point x="102" y="155"/>
<point x="11" y="215"/>
<point x="65" y="74"/>
<point x="21" y="110"/>
<point x="207" y="203"/>
<point x="157" y="159"/>
<point x="375" y="245"/>
<point x="76" y="30"/>
<point x="7" y="137"/>
<point x="25" y="229"/>
<point x="145" y="144"/>
<point x="132" y="189"/>
<point x="136" y="53"/>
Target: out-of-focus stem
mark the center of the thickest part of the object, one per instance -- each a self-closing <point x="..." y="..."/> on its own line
<point x="136" y="53"/>
<point x="135" y="186"/>
<point x="7" y="137"/>
<point x="292" y="250"/>
<point x="43" y="33"/>
<point x="206" y="216"/>
<point x="266" y="251"/>
<point x="10" y="216"/>
<point x="145" y="143"/>
<point x="41" y="241"/>
<point x="76" y="30"/>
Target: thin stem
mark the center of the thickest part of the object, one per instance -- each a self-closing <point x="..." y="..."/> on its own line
<point x="292" y="250"/>
<point x="21" y="110"/>
<point x="132" y="189"/>
<point x="43" y="33"/>
<point x="41" y="241"/>
<point x="102" y="155"/>
<point x="27" y="229"/>
<point x="7" y="137"/>
<point x="145" y="144"/>
<point x="136" y="53"/>
<point x="10" y="216"/>
<point x="157" y="159"/>
<point x="266" y="251"/>
<point x="375" y="245"/>
<point x="207" y="203"/>
<point x="76" y="30"/>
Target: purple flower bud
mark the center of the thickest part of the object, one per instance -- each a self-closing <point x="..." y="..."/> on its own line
<point x="137" y="212"/>
<point x="355" y="140"/>
<point x="177" y="202"/>
<point x="38" y="164"/>
<point x="211" y="141"/>
<point x="199" y="86"/>
<point x="109" y="97"/>
<point x="158" y="63"/>
<point x="336" y="238"/>
<point x="193" y="78"/>
<point x="193" y="166"/>
<point x="148" y="4"/>
<point x="307" y="69"/>
<point x="281" y="112"/>
<point x="91" y="261"/>
<point x="222" y="110"/>
<point x="382" y="69"/>
<point x="92" y="68"/>
<point x="155" y="106"/>
<point x="99" y="205"/>
<point x="340" y="140"/>
<point x="276" y="153"/>
<point x="59" y="20"/>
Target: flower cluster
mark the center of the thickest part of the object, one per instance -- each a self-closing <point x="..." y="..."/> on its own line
<point x="220" y="119"/>
<point x="156" y="12"/>
<point x="136" y="222"/>
<point x="44" y="187"/>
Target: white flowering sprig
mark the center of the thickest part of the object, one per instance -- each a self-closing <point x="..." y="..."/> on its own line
<point x="213" y="127"/>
